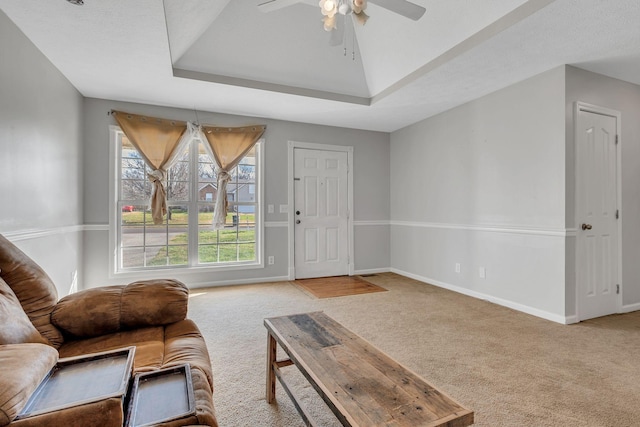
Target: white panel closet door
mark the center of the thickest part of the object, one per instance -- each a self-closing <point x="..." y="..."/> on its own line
<point x="597" y="261"/>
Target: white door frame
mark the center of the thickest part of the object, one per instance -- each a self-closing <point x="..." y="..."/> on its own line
<point x="292" y="145"/>
<point x="595" y="109"/>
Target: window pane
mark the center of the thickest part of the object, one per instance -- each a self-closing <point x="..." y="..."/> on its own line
<point x="228" y="235"/>
<point x="178" y="191"/>
<point x="178" y="215"/>
<point x="132" y="236"/>
<point x="132" y="214"/>
<point x="246" y="173"/>
<point x="179" y="171"/>
<point x="207" y="253"/>
<point x="133" y="257"/>
<point x="156" y="256"/>
<point x="131" y="172"/>
<point x="247" y="234"/>
<point x="246" y="193"/>
<point x="207" y="192"/>
<point x="135" y="189"/>
<point x="206" y="171"/>
<point x="247" y="215"/>
<point x="228" y="252"/>
<point x="178" y="235"/>
<point x="178" y="255"/>
<point x="247" y="252"/>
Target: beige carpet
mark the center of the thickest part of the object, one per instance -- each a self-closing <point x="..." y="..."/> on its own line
<point x="512" y="369"/>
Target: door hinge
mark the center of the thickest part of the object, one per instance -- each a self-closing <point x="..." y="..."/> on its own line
<point x="617" y="213"/>
<point x="617" y="289"/>
<point x="296" y="179"/>
<point x="617" y="140"/>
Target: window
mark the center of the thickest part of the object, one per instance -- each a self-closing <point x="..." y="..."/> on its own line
<point x="186" y="237"/>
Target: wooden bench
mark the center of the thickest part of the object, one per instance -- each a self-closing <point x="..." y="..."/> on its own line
<point x="362" y="385"/>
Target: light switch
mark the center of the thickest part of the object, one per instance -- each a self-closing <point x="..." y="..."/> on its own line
<point x="270" y="209"/>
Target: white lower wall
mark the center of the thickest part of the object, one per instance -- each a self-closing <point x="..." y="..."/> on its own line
<point x="57" y="251"/>
<point x="523" y="268"/>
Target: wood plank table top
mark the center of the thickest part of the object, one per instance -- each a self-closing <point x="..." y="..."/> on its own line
<point x="362" y="385"/>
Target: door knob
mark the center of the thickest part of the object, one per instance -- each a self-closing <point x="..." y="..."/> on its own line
<point x="297" y="212"/>
<point x="297" y="221"/>
<point x="586" y="226"/>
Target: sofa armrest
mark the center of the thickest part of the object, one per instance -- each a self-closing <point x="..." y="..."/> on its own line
<point x="109" y="309"/>
<point x="22" y="368"/>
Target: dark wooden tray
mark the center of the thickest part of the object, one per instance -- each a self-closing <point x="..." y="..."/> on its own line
<point x="160" y="396"/>
<point x="79" y="380"/>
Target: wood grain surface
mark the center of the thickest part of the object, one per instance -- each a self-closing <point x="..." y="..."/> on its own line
<point x="362" y="385"/>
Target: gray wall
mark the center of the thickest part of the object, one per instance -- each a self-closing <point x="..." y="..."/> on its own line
<point x="624" y="97"/>
<point x="482" y="185"/>
<point x="371" y="191"/>
<point x="40" y="157"/>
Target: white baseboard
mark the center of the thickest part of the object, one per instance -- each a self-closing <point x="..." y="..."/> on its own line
<point x="630" y="307"/>
<point x="371" y="271"/>
<point x="479" y="295"/>
<point x="571" y="320"/>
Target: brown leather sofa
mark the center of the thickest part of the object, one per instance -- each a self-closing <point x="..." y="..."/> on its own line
<point x="36" y="330"/>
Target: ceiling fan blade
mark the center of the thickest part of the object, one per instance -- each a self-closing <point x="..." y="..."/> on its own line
<point x="402" y="7"/>
<point x="273" y="5"/>
<point x="337" y="34"/>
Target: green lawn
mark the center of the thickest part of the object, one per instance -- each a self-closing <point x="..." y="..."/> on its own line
<point x="227" y="245"/>
<point x="215" y="246"/>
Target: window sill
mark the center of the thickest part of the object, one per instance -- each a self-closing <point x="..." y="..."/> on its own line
<point x="182" y="271"/>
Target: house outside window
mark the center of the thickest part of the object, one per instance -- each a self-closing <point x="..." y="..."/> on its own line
<point x="186" y="237"/>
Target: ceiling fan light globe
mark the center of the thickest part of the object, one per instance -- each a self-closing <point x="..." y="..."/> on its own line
<point x="329" y="7"/>
<point x="344" y="8"/>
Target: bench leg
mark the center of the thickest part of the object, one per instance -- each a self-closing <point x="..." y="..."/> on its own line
<point x="271" y="375"/>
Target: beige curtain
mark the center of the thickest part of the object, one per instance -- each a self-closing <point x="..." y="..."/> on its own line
<point x="159" y="142"/>
<point x="228" y="146"/>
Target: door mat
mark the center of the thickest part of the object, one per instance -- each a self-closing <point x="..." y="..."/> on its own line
<point x="341" y="286"/>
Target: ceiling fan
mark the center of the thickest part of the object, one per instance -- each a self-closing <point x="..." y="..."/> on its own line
<point x="331" y="8"/>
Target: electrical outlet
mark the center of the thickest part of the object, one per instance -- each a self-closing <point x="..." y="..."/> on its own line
<point x="457" y="267"/>
<point x="483" y="273"/>
<point x="271" y="260"/>
<point x="284" y="208"/>
<point x="270" y="209"/>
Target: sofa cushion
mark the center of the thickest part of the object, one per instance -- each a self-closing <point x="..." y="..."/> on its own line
<point x="23" y="368"/>
<point x="149" y="343"/>
<point x="33" y="287"/>
<point x="16" y="327"/>
<point x="97" y="311"/>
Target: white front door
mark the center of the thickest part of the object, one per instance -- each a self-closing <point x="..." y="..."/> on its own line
<point x="597" y="214"/>
<point x="321" y="213"/>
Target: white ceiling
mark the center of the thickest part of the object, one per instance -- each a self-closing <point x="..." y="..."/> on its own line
<point x="227" y="56"/>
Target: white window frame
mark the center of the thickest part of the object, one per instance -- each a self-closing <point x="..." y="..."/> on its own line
<point x="192" y="266"/>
